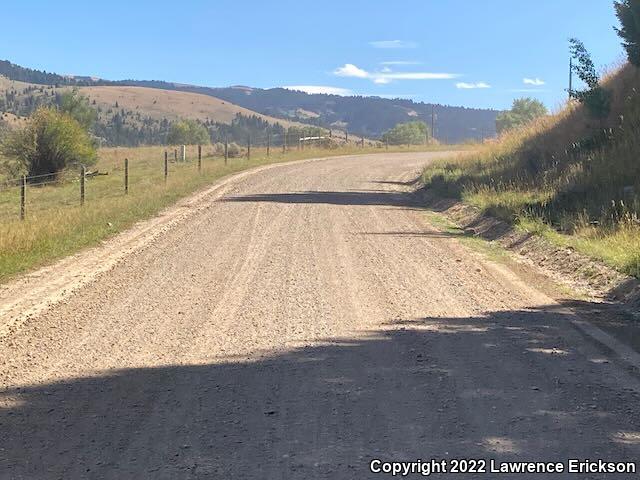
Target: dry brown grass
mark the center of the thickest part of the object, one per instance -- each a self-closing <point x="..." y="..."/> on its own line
<point x="571" y="177"/>
<point x="171" y="104"/>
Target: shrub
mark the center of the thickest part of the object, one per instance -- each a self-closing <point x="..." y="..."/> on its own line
<point x="409" y="133"/>
<point x="77" y="106"/>
<point x="523" y="111"/>
<point x="188" y="132"/>
<point x="234" y="150"/>
<point x="218" y="148"/>
<point x="51" y="141"/>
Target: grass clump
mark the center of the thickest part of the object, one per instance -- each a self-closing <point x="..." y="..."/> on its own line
<point x="570" y="176"/>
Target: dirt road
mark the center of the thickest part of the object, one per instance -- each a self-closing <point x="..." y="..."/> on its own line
<point x="304" y="321"/>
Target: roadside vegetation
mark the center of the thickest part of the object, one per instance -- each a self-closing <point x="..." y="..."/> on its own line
<point x="408" y="133"/>
<point x="573" y="176"/>
<point x="56" y="225"/>
<point x="523" y="112"/>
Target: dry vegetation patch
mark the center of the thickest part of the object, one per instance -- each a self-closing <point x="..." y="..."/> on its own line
<point x="569" y="177"/>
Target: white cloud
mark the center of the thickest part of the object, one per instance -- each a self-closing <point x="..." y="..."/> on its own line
<point x="400" y="62"/>
<point x="533" y="81"/>
<point x="313" y="89"/>
<point x="385" y="76"/>
<point x="350" y="70"/>
<point x="393" y="44"/>
<point x="471" y="86"/>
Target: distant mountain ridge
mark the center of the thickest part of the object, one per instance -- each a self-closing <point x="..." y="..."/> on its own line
<point x="368" y="116"/>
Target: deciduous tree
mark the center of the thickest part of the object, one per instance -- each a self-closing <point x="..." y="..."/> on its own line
<point x="51" y="141"/>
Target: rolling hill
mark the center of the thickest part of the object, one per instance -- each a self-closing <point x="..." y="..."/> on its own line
<point x="138" y="115"/>
<point x="148" y="102"/>
<point x="171" y="104"/>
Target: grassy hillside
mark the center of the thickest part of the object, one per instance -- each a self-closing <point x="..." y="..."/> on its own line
<point x="171" y="104"/>
<point x="20" y="98"/>
<point x="568" y="176"/>
<point x="361" y="115"/>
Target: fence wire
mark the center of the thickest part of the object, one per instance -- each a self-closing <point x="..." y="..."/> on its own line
<point x="32" y="195"/>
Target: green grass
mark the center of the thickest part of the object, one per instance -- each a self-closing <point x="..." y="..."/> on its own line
<point x="490" y="250"/>
<point x="56" y="225"/>
<point x="568" y="177"/>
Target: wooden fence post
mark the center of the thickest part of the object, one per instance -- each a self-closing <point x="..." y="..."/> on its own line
<point x="166" y="166"/>
<point x="226" y="149"/>
<point x="249" y="147"/>
<point x="199" y="158"/>
<point x="362" y="142"/>
<point x="268" y="142"/>
<point x="126" y="176"/>
<point x="175" y="155"/>
<point x="83" y="177"/>
<point x="23" y="197"/>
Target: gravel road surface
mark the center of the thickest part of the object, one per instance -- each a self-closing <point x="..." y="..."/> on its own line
<point x="303" y="321"/>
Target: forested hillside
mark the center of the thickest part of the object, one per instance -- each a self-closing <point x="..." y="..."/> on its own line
<point x="368" y="116"/>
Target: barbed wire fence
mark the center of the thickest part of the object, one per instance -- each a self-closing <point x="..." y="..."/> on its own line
<point x="30" y="194"/>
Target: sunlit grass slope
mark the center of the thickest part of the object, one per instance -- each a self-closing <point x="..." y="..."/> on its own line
<point x="568" y="176"/>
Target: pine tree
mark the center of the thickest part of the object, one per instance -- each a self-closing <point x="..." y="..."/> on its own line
<point x="628" y="12"/>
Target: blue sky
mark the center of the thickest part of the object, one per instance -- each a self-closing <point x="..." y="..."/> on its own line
<point x="465" y="52"/>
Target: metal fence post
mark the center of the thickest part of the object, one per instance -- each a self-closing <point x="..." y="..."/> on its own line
<point x="83" y="177"/>
<point x="126" y="176"/>
<point x="199" y="158"/>
<point x="23" y="197"/>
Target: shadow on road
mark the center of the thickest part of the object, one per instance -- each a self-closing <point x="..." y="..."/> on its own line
<point x="378" y="197"/>
<point x="505" y="385"/>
